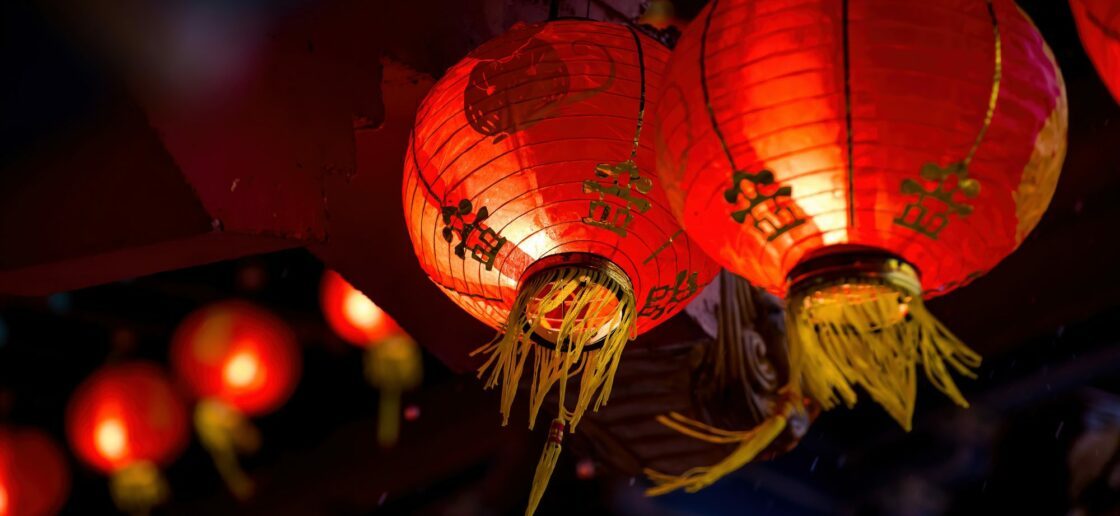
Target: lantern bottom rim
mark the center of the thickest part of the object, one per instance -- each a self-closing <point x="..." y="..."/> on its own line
<point x="854" y="265"/>
<point x="602" y="272"/>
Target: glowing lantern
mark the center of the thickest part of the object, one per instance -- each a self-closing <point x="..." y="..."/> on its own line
<point x="34" y="476"/>
<point x="1098" y="22"/>
<point x="857" y="156"/>
<point x="393" y="362"/>
<point x="127" y="421"/>
<point x="531" y="200"/>
<point x="239" y="361"/>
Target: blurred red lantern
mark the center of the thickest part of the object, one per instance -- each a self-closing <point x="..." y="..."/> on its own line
<point x="532" y="202"/>
<point x="34" y="475"/>
<point x="127" y="421"/>
<point x="857" y="156"/>
<point x="351" y="314"/>
<point x="1098" y="22"/>
<point x="393" y="362"/>
<point x="239" y="360"/>
<point x="238" y="353"/>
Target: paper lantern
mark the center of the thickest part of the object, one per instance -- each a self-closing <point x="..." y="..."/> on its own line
<point x="856" y="156"/>
<point x="393" y="362"/>
<point x="351" y="314"/>
<point x="532" y="202"/>
<point x="127" y="421"/>
<point x="34" y="476"/>
<point x="1098" y="22"/>
<point x="240" y="361"/>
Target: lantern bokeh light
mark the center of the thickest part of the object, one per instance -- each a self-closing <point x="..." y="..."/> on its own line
<point x="238" y="353"/>
<point x="34" y="475"/>
<point x="239" y="360"/>
<point x="127" y="420"/>
<point x="859" y="156"/>
<point x="1098" y="23"/>
<point x="351" y="314"/>
<point x="124" y="414"/>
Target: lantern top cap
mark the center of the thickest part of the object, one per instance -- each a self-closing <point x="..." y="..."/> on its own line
<point x="853" y="264"/>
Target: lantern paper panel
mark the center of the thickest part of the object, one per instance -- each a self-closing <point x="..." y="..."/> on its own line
<point x="520" y="152"/>
<point x="1098" y="23"/>
<point x="860" y="156"/>
<point x="901" y="126"/>
<point x="532" y="201"/>
<point x="34" y="475"/>
<point x="238" y="353"/>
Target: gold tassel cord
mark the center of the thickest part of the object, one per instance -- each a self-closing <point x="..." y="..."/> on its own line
<point x="870" y="333"/>
<point x="393" y="365"/>
<point x="547" y="463"/>
<point x="750" y="444"/>
<point x="729" y="359"/>
<point x="597" y="306"/>
<point x="225" y="432"/>
<point x="137" y="488"/>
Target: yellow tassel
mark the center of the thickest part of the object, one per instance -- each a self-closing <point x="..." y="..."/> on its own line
<point x="750" y="444"/>
<point x="546" y="465"/>
<point x="726" y="363"/>
<point x="225" y="432"/>
<point x="393" y="365"/>
<point x="872" y="333"/>
<point x="598" y="307"/>
<point x="137" y="488"/>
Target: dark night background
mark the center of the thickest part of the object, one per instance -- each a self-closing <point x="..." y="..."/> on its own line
<point x="1046" y="319"/>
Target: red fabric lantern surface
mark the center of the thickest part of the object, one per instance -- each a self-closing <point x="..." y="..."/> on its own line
<point x="1098" y="22"/>
<point x="34" y="475"/>
<point x="859" y="155"/>
<point x="532" y="201"/>
<point x="501" y="172"/>
<point x="125" y="414"/>
<point x="239" y="354"/>
<point x="351" y="314"/>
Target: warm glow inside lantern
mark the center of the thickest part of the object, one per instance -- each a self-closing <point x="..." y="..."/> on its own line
<point x="857" y="156"/>
<point x="239" y="360"/>
<point x="532" y="202"/>
<point x="1098" y="22"/>
<point x="34" y="477"/>
<point x="127" y="420"/>
<point x="393" y="362"/>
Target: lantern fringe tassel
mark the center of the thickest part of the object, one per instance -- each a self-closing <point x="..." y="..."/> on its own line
<point x="750" y="444"/>
<point x="872" y="335"/>
<point x="225" y="432"/>
<point x="393" y="365"/>
<point x="726" y="356"/>
<point x="584" y="312"/>
<point x="585" y="309"/>
<point x="137" y="488"/>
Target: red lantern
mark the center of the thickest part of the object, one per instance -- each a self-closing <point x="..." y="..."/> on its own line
<point x="393" y="362"/>
<point x="126" y="420"/>
<point x="34" y="476"/>
<point x="237" y="353"/>
<point x="240" y="361"/>
<point x="351" y="314"/>
<point x="532" y="202"/>
<point x="856" y="156"/>
<point x="1098" y="22"/>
